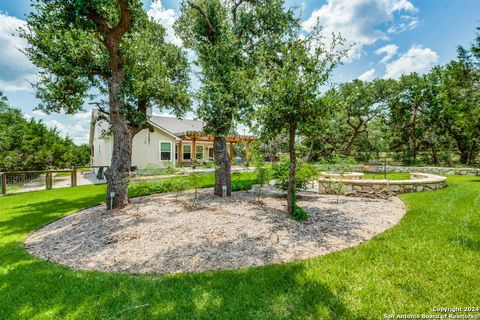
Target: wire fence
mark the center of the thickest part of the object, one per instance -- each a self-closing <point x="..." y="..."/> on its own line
<point x="26" y="181"/>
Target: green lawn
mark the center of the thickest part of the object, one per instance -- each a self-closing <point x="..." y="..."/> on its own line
<point x="431" y="259"/>
<point x="390" y="176"/>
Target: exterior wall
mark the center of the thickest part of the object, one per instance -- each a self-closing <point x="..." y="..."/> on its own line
<point x="418" y="182"/>
<point x="146" y="149"/>
<point x="102" y="149"/>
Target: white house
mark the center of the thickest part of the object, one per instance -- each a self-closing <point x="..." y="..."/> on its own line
<point x="173" y="141"/>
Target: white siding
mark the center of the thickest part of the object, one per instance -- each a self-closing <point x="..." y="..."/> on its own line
<point x="146" y="148"/>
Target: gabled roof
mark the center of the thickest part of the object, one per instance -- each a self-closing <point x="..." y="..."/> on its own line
<point x="177" y="126"/>
<point x="173" y="126"/>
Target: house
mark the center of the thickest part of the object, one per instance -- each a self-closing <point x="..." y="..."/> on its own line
<point x="173" y="142"/>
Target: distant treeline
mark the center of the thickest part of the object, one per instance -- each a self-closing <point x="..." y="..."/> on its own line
<point x="28" y="144"/>
<point x="431" y="118"/>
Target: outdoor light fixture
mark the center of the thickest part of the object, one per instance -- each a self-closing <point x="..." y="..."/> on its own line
<point x="224" y="191"/>
<point x="112" y="195"/>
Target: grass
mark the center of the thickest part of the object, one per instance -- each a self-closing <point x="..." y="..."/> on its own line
<point x="390" y="176"/>
<point x="430" y="259"/>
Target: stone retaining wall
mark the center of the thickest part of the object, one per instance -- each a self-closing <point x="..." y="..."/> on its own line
<point x="432" y="170"/>
<point x="418" y="182"/>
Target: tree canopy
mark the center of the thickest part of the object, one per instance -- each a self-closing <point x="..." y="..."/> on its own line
<point x="228" y="38"/>
<point x="111" y="48"/>
<point x="28" y="144"/>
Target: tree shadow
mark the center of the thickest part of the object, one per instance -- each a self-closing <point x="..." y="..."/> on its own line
<point x="30" y="287"/>
<point x="466" y="242"/>
<point x="35" y="288"/>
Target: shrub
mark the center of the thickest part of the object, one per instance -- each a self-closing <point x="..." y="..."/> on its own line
<point x="304" y="174"/>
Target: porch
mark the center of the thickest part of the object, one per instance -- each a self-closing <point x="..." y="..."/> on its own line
<point x="196" y="148"/>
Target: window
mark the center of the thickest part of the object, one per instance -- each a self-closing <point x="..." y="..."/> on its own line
<point x="165" y="151"/>
<point x="210" y="154"/>
<point x="187" y="152"/>
<point x="199" y="153"/>
<point x="176" y="152"/>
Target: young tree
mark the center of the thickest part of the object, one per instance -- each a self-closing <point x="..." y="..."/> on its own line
<point x="110" y="47"/>
<point x="291" y="91"/>
<point x="226" y="36"/>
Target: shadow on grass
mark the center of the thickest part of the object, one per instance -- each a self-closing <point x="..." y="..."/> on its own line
<point x="35" y="288"/>
<point x="30" y="287"/>
<point x="466" y="242"/>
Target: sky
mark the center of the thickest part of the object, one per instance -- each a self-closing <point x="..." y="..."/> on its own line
<point x="388" y="38"/>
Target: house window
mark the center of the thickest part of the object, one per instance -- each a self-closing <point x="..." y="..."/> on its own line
<point x="176" y="152"/>
<point x="165" y="151"/>
<point x="210" y="154"/>
<point x="199" y="153"/>
<point x="187" y="152"/>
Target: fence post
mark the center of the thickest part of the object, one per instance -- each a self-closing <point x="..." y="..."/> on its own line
<point x="4" y="183"/>
<point x="73" y="175"/>
<point x="49" y="181"/>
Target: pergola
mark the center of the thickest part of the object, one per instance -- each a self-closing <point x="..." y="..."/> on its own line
<point x="197" y="136"/>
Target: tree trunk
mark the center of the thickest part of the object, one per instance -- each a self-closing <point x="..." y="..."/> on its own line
<point x="414" y="135"/>
<point x="118" y="173"/>
<point x="222" y="168"/>
<point x="293" y="169"/>
<point x="356" y="132"/>
<point x="434" y="154"/>
<point x="463" y="148"/>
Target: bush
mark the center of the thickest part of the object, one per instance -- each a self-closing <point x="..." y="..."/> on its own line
<point x="304" y="174"/>
<point x="299" y="213"/>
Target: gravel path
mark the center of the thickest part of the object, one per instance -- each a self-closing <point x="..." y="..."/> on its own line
<point x="162" y="234"/>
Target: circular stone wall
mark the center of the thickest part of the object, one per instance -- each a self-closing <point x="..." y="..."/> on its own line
<point x="418" y="182"/>
<point x="160" y="234"/>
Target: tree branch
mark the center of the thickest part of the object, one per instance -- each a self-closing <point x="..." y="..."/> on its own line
<point x="125" y="19"/>
<point x="205" y="16"/>
<point x="99" y="21"/>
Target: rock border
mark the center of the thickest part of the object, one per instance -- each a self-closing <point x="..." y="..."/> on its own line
<point x="419" y="182"/>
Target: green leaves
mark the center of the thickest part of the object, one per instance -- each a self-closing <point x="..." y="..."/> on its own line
<point x="229" y="38"/>
<point x="67" y="41"/>
<point x="30" y="145"/>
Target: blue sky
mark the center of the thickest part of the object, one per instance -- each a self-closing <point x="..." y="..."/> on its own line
<point x="388" y="38"/>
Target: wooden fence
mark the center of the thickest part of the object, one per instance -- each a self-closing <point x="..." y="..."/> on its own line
<point x="23" y="181"/>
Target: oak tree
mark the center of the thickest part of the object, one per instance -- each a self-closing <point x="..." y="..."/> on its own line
<point x="108" y="48"/>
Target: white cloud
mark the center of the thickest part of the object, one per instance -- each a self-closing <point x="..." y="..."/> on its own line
<point x="389" y="51"/>
<point x="416" y="59"/>
<point x="407" y="23"/>
<point x="78" y="131"/>
<point x="87" y="115"/>
<point x="360" y="22"/>
<point x="16" y="71"/>
<point x="367" y="75"/>
<point x="167" y="18"/>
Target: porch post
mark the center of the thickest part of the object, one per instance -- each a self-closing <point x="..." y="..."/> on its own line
<point x="194" y="152"/>
<point x="232" y="156"/>
<point x="180" y="153"/>
<point x="247" y="152"/>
